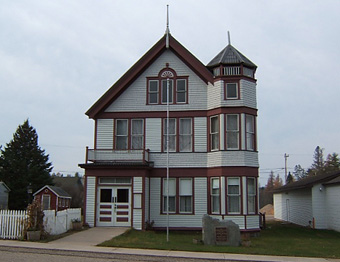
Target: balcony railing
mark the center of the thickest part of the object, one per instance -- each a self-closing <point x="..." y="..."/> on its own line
<point x="110" y="155"/>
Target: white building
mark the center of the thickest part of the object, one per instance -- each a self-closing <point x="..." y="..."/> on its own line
<point x="313" y="201"/>
<point x="213" y="155"/>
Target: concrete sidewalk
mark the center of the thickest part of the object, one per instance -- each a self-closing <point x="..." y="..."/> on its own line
<point x="86" y="241"/>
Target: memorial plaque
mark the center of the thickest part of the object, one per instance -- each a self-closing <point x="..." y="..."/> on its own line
<point x="221" y="234"/>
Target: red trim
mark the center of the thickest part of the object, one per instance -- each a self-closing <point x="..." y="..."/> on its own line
<point x="178" y="114"/>
<point x="122" y="206"/>
<point x="238" y="89"/>
<point x="105" y="219"/>
<point x="105" y="206"/>
<point x="105" y="212"/>
<point x="122" y="219"/>
<point x="120" y="213"/>
<point x="139" y="67"/>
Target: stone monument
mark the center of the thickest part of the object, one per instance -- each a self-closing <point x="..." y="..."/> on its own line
<point x="220" y="232"/>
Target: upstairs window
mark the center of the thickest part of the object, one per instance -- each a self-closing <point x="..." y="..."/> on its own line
<point x="129" y="134"/>
<point x="180" y="135"/>
<point x="232" y="132"/>
<point x="231" y="91"/>
<point x="157" y="88"/>
<point x="250" y="132"/>
<point x="214" y="133"/>
<point x="172" y="135"/>
<point x="185" y="135"/>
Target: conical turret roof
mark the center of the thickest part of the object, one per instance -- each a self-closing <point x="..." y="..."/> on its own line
<point x="230" y="55"/>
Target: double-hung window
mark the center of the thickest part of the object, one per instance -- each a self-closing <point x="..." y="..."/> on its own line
<point x="181" y="91"/>
<point x="185" y="134"/>
<point x="232" y="132"/>
<point x="172" y="195"/>
<point x="125" y="139"/>
<point x="214" y="133"/>
<point x="121" y="134"/>
<point x="215" y="195"/>
<point x="153" y="92"/>
<point x="137" y="133"/>
<point x="172" y="134"/>
<point x="165" y="92"/>
<point x="233" y="195"/>
<point x="250" y="132"/>
<point x="231" y="90"/>
<point x="251" y="195"/>
<point x="185" y="195"/>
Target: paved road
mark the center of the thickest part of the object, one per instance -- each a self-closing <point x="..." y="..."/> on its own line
<point x="13" y="254"/>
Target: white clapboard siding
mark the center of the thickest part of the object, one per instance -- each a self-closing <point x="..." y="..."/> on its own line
<point x="137" y="185"/>
<point x="319" y="207"/>
<point x="104" y="134"/>
<point x="215" y="94"/>
<point x="90" y="200"/>
<point x="200" y="131"/>
<point x="253" y="222"/>
<point x="333" y="207"/>
<point x="189" y="221"/>
<point x="137" y="219"/>
<point x="134" y="97"/>
<point x="295" y="207"/>
<point x="153" y="138"/>
<point x="179" y="159"/>
<point x="248" y="93"/>
<point x="233" y="158"/>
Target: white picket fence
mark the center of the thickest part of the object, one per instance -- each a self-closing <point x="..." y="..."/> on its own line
<point x="12" y="223"/>
<point x="55" y="223"/>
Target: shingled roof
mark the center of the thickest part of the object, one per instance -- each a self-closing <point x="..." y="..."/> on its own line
<point x="57" y="190"/>
<point x="230" y="55"/>
<point x="309" y="181"/>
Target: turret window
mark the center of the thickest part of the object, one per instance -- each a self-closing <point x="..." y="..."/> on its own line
<point x="231" y="91"/>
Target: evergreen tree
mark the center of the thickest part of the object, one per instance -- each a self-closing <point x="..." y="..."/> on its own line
<point x="278" y="181"/>
<point x="299" y="172"/>
<point x="23" y="162"/>
<point x="332" y="163"/>
<point x="318" y="162"/>
<point x="290" y="178"/>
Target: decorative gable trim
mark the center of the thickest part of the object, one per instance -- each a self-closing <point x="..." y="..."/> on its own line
<point x="142" y="64"/>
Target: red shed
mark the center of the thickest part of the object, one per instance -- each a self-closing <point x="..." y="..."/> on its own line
<point x="53" y="198"/>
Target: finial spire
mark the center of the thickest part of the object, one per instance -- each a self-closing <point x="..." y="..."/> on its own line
<point x="229" y="42"/>
<point x="167" y="31"/>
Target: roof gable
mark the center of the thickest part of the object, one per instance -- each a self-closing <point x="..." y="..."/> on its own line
<point x="138" y="68"/>
<point x="56" y="190"/>
<point x="5" y="186"/>
<point x="230" y="55"/>
<point x="308" y="182"/>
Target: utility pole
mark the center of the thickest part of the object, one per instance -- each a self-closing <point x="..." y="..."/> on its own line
<point x="286" y="156"/>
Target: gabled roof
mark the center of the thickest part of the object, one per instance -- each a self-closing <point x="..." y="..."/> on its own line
<point x="142" y="64"/>
<point x="308" y="182"/>
<point x="230" y="55"/>
<point x="5" y="186"/>
<point x="56" y="190"/>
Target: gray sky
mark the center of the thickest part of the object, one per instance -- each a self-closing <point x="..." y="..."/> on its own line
<point x="58" y="57"/>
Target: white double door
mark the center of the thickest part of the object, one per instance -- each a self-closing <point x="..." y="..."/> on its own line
<point x="114" y="206"/>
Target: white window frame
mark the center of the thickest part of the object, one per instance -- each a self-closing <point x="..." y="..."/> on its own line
<point x="227" y="96"/>
<point x="182" y="136"/>
<point x="251" y="196"/>
<point x="164" y="91"/>
<point x="172" y="194"/>
<point x="122" y="135"/>
<point x="231" y="195"/>
<point x="181" y="91"/>
<point x="153" y="92"/>
<point x="174" y="135"/>
<point x="214" y="195"/>
<point x="229" y="132"/>
<point x="43" y="201"/>
<point x="140" y="135"/>
<point x="184" y="195"/>
<point x="250" y="132"/>
<point x="214" y="134"/>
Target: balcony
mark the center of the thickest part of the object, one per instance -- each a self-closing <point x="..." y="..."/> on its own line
<point x="140" y="156"/>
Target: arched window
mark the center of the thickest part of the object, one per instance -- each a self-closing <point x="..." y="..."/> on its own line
<point x="157" y="88"/>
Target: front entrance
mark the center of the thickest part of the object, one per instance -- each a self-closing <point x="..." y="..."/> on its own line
<point x="114" y="206"/>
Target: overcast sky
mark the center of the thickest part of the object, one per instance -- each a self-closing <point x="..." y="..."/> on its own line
<point x="58" y="57"/>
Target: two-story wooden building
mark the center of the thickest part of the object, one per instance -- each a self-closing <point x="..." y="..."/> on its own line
<point x="213" y="158"/>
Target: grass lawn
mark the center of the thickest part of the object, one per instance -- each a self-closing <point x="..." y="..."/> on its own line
<point x="278" y="239"/>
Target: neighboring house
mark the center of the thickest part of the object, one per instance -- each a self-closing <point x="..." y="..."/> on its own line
<point x="313" y="201"/>
<point x="4" y="191"/>
<point x="53" y="197"/>
<point x="213" y="159"/>
<point x="74" y="186"/>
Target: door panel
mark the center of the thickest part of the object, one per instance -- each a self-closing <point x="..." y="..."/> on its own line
<point x="114" y="206"/>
